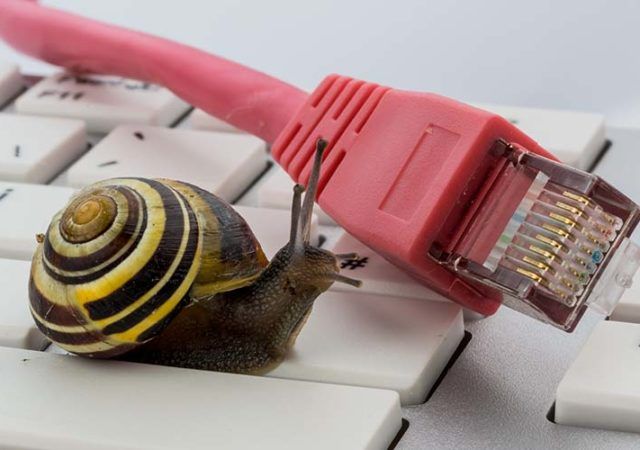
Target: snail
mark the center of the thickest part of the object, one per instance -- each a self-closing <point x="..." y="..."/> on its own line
<point x="163" y="272"/>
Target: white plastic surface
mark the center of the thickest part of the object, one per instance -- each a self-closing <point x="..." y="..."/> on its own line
<point x="61" y="402"/>
<point x="601" y="389"/>
<point x="103" y="102"/>
<point x="574" y="137"/>
<point x="35" y="149"/>
<point x="10" y="81"/>
<point x="26" y="210"/>
<point x="222" y="163"/>
<point x="17" y="328"/>
<point x="200" y="120"/>
<point x="369" y="340"/>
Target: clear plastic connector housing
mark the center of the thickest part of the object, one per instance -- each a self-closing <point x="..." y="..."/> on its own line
<point x="564" y="248"/>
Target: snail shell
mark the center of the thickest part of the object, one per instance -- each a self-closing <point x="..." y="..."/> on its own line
<point x="126" y="255"/>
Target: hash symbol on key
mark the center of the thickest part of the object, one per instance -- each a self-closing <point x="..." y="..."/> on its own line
<point x="354" y="263"/>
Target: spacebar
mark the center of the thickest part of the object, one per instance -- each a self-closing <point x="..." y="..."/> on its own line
<point x="52" y="401"/>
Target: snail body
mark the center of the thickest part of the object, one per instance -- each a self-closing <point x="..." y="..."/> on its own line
<point x="164" y="272"/>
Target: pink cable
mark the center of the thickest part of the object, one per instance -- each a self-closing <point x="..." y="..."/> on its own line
<point x="243" y="97"/>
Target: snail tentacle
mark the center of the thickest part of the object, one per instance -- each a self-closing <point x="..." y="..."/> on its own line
<point x="310" y="195"/>
<point x="295" y="237"/>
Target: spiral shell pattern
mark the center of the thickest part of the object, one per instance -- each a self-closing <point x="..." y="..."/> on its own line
<point x="118" y="263"/>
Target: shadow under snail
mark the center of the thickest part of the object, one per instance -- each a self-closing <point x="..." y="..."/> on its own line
<point x="163" y="272"/>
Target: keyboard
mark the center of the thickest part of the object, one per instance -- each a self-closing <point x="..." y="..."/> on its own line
<point x="388" y="365"/>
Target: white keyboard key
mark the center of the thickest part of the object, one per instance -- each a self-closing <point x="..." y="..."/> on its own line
<point x="103" y="102"/>
<point x="628" y="308"/>
<point x="200" y="120"/>
<point x="17" y="328"/>
<point x="601" y="389"/>
<point x="368" y="340"/>
<point x="26" y="210"/>
<point x="35" y="149"/>
<point x="378" y="276"/>
<point x="574" y="137"/>
<point x="222" y="163"/>
<point x="10" y="81"/>
<point x="60" y="402"/>
<point x="271" y="227"/>
<point x="277" y="192"/>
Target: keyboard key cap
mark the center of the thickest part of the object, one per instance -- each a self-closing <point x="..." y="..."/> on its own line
<point x="574" y="137"/>
<point x="378" y="276"/>
<point x="601" y="389"/>
<point x="53" y="402"/>
<point x="200" y="120"/>
<point x="35" y="149"/>
<point x="26" y="210"/>
<point x="17" y="328"/>
<point x="368" y="340"/>
<point x="271" y="227"/>
<point x="277" y="190"/>
<point x="10" y="82"/>
<point x="225" y="164"/>
<point x="103" y="102"/>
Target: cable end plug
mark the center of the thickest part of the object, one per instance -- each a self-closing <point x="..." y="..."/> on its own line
<point x="432" y="184"/>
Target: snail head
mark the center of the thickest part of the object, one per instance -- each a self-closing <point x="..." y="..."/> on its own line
<point x="318" y="264"/>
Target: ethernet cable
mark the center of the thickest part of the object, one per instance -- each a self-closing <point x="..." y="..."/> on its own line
<point x="456" y="196"/>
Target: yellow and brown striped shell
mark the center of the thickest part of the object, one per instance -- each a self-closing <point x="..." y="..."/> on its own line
<point x="126" y="255"/>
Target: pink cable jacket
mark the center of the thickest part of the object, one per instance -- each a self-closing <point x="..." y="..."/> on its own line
<point x="248" y="99"/>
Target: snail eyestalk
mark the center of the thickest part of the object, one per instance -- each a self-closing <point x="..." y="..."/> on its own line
<point x="295" y="239"/>
<point x="312" y="187"/>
